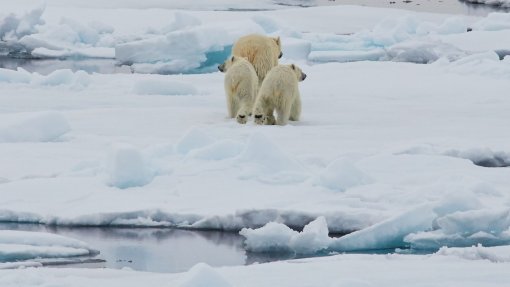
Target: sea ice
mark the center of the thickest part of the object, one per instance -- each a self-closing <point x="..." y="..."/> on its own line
<point x="478" y="252"/>
<point x="193" y="139"/>
<point x="162" y="87"/>
<point x="126" y="167"/>
<point x="33" y="127"/>
<point x="341" y="175"/>
<point x="277" y="237"/>
<point x="23" y="245"/>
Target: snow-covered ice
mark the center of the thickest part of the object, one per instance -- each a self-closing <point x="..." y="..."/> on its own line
<point x="391" y="151"/>
<point x="33" y="127"/>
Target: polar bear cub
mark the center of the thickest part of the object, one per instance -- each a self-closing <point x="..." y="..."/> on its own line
<point x="279" y="92"/>
<point x="261" y="51"/>
<point x="241" y="85"/>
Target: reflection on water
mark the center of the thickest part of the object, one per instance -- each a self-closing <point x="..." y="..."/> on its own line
<point x="154" y="249"/>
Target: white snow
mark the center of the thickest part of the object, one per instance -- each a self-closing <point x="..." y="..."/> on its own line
<point x="341" y="175"/>
<point x="76" y="80"/>
<point x="341" y="270"/>
<point x="203" y="275"/>
<point x="385" y="148"/>
<point x="33" y="127"/>
<point x="160" y="87"/>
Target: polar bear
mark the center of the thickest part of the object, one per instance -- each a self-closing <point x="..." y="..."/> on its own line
<point x="241" y="86"/>
<point x="279" y="92"/>
<point x="263" y="52"/>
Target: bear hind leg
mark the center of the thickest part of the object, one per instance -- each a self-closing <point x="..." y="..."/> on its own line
<point x="295" y="111"/>
<point x="283" y="115"/>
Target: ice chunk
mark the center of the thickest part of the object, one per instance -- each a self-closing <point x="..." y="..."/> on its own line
<point x="274" y="26"/>
<point x="89" y="52"/>
<point x="269" y="24"/>
<point x="277" y="237"/>
<point x="23" y="245"/>
<point x="161" y="87"/>
<point x="11" y="252"/>
<point x="469" y="222"/>
<point x="453" y="25"/>
<point x="313" y="238"/>
<point x="341" y="175"/>
<point x="34" y="127"/>
<point x="465" y="228"/>
<point x="455" y="202"/>
<point x="423" y="52"/>
<point x="58" y="77"/>
<point x="13" y="27"/>
<point x="478" y="252"/>
<point x="19" y="76"/>
<point x="181" y="21"/>
<point x="493" y="21"/>
<point x="127" y="168"/>
<point x="347" y="56"/>
<point x="389" y="233"/>
<point x="203" y="275"/>
<point x="405" y="39"/>
<point x="293" y="48"/>
<point x="486" y="64"/>
<point x="393" y="30"/>
<point x="79" y="79"/>
<point x="272" y="237"/>
<point x="184" y="50"/>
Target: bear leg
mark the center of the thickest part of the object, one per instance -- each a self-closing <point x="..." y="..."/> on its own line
<point x="295" y="111"/>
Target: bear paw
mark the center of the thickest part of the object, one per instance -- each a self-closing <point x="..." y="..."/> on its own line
<point x="241" y="118"/>
<point x="259" y="119"/>
<point x="269" y="120"/>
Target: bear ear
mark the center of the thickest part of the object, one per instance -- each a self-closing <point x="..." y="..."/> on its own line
<point x="277" y="40"/>
<point x="293" y="66"/>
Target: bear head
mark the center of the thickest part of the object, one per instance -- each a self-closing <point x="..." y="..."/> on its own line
<point x="297" y="71"/>
<point x="278" y="47"/>
<point x="229" y="62"/>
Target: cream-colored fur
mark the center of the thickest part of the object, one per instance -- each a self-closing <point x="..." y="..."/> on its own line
<point x="279" y="92"/>
<point x="262" y="51"/>
<point x="241" y="85"/>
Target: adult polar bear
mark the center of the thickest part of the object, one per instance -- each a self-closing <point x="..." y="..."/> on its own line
<point x="279" y="92"/>
<point x="241" y="86"/>
<point x="262" y="51"/>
